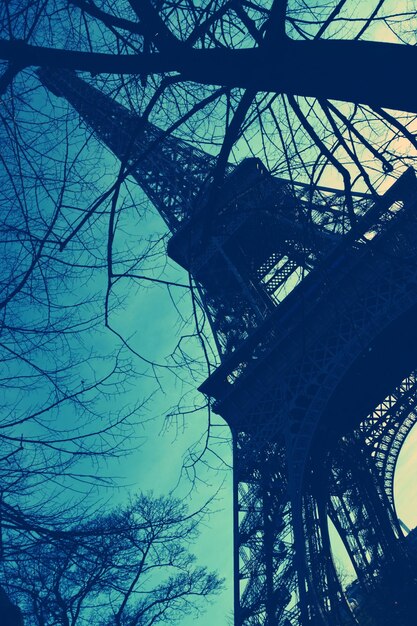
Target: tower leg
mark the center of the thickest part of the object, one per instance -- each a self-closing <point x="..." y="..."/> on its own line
<point x="321" y="598"/>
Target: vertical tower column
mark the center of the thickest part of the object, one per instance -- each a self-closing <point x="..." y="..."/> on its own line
<point x="362" y="514"/>
<point x="321" y="598"/>
<point x="265" y="574"/>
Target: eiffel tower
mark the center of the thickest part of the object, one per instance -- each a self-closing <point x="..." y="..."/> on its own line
<point x="304" y="311"/>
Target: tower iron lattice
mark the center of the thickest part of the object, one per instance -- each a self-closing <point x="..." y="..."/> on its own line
<point x="303" y="309"/>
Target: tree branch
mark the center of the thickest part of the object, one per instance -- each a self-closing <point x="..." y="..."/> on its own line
<point x="365" y="72"/>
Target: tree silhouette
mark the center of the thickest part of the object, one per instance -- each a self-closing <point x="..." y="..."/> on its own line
<point x="131" y="566"/>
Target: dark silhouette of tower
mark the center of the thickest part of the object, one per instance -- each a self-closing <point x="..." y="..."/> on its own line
<point x="304" y="311"/>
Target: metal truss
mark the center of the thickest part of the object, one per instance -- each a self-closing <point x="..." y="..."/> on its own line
<point x="285" y="379"/>
<point x="362" y="514"/>
<point x="301" y="223"/>
<point x="325" y="602"/>
<point x="265" y="583"/>
<point x="298" y="302"/>
<point x="361" y="502"/>
<point x="386" y="428"/>
<point x="171" y="172"/>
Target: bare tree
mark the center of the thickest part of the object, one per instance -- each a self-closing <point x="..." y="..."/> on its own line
<point x="132" y="566"/>
<point x="57" y="372"/>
